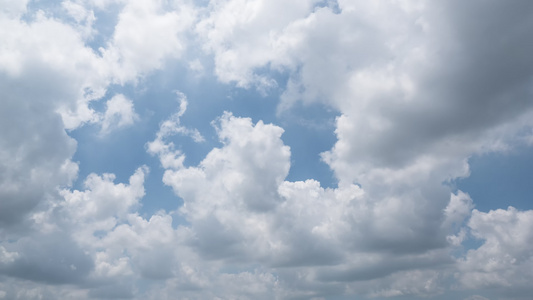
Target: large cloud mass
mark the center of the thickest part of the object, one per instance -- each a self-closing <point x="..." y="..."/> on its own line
<point x="418" y="89"/>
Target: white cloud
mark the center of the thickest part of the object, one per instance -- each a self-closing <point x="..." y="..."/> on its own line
<point x="94" y="237"/>
<point x="458" y="210"/>
<point x="53" y="59"/>
<point x="236" y="197"/>
<point x="66" y="233"/>
<point x="13" y="8"/>
<point x="49" y="76"/>
<point x="119" y="113"/>
<point x="245" y="35"/>
<point x="252" y="154"/>
<point x="146" y="35"/>
<point x="104" y="199"/>
<point x="84" y="17"/>
<point x="374" y="63"/>
<point x="504" y="259"/>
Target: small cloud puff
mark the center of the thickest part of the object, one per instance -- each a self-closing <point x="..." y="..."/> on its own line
<point x="119" y="113"/>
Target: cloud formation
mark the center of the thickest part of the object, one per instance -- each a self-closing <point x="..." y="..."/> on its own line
<point x="418" y="89"/>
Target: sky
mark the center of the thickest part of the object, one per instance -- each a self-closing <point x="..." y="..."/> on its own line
<point x="266" y="149"/>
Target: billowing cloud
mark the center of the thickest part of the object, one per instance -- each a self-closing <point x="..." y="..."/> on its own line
<point x="230" y="203"/>
<point x="145" y="35"/>
<point x="503" y="261"/>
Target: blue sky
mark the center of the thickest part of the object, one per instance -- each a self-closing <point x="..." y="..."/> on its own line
<point x="252" y="149"/>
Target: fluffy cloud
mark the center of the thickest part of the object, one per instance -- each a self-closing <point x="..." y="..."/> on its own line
<point x="147" y="34"/>
<point x="104" y="199"/>
<point x="49" y="77"/>
<point x="64" y="233"/>
<point x="252" y="155"/>
<point x="396" y="77"/>
<point x="418" y="88"/>
<point x="245" y="35"/>
<point x="94" y="240"/>
<point x="417" y="95"/>
<point x="241" y="210"/>
<point x="504" y="259"/>
<point x="383" y="67"/>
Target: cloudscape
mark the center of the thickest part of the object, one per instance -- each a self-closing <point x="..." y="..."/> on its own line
<point x="266" y="149"/>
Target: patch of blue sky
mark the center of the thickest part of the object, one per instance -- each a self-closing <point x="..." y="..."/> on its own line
<point x="499" y="180"/>
<point x="309" y="131"/>
<point x="331" y="4"/>
<point x="49" y="7"/>
<point x="104" y="26"/>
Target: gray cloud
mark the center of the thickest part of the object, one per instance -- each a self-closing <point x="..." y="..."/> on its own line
<point x="36" y="151"/>
<point x="54" y="259"/>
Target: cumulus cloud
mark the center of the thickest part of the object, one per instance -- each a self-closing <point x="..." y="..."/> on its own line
<point x="389" y="81"/>
<point x="147" y="33"/>
<point x="48" y="78"/>
<point x="396" y="76"/>
<point x="103" y="199"/>
<point x="245" y="35"/>
<point x="503" y="261"/>
<point x="418" y="87"/>
<point x="237" y="196"/>
<point x="94" y="240"/>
